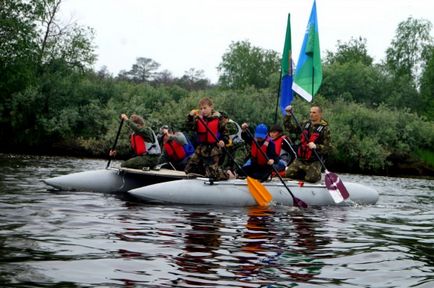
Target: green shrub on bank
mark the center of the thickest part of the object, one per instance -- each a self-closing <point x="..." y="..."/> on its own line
<point x="364" y="139"/>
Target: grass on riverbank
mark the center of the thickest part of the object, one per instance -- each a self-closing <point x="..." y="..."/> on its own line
<point x="426" y="156"/>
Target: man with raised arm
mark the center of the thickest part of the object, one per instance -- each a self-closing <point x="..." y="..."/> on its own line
<point x="314" y="136"/>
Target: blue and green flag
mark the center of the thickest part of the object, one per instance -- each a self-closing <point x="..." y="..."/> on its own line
<point x="286" y="93"/>
<point x="308" y="73"/>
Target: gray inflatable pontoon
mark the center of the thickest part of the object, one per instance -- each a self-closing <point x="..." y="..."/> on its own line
<point x="112" y="180"/>
<point x="236" y="193"/>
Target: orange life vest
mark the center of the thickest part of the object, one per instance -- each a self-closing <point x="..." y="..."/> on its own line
<point x="304" y="151"/>
<point x="174" y="150"/>
<point x="203" y="135"/>
<point x="138" y="144"/>
<point x="257" y="155"/>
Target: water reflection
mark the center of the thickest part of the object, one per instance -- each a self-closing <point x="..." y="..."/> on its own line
<point x="201" y="243"/>
<point x="67" y="239"/>
<point x="303" y="261"/>
<point x="279" y="245"/>
<point x="256" y="242"/>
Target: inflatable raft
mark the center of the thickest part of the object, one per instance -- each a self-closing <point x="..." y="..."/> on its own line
<point x="235" y="192"/>
<point x="112" y="180"/>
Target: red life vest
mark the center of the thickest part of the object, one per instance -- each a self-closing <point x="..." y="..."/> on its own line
<point x="203" y="135"/>
<point x="174" y="150"/>
<point x="304" y="151"/>
<point x="138" y="144"/>
<point x="278" y="144"/>
<point x="257" y="155"/>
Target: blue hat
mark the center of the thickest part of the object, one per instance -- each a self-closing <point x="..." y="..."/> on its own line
<point x="261" y="131"/>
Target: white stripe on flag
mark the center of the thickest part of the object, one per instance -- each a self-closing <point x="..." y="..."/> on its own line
<point x="300" y="91"/>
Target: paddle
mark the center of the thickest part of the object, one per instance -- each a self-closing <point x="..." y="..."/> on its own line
<point x="298" y="202"/>
<point x="115" y="143"/>
<point x="261" y="195"/>
<point x="334" y="184"/>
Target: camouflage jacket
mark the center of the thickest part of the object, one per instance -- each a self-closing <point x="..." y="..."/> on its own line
<point x="145" y="132"/>
<point x="323" y="143"/>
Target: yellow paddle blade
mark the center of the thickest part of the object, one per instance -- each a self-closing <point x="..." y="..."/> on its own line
<point x="259" y="192"/>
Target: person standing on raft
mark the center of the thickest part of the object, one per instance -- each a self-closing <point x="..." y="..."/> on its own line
<point x="212" y="136"/>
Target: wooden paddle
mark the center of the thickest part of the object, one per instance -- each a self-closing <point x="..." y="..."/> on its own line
<point x="334" y="184"/>
<point x="297" y="202"/>
<point x="115" y="143"/>
<point x="261" y="195"/>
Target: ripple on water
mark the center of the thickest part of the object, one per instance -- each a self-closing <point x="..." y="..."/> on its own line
<point x="91" y="239"/>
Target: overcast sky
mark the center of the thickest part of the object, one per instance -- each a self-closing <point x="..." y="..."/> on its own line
<point x="184" y="34"/>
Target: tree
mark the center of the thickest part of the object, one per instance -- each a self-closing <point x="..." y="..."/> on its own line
<point x="352" y="51"/>
<point x="244" y="65"/>
<point x="354" y="81"/>
<point x="17" y="33"/>
<point x="143" y="71"/>
<point x="427" y="88"/>
<point x="18" y="48"/>
<point x="409" y="50"/>
<point x="164" y="77"/>
<point x="193" y="80"/>
<point x="70" y="42"/>
<point x="18" y="56"/>
<point x="405" y="60"/>
<point x="350" y="75"/>
<point x="39" y="57"/>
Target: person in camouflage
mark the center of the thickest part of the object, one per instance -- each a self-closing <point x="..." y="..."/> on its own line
<point x="315" y="134"/>
<point x="142" y="143"/>
<point x="236" y="149"/>
<point x="208" y="125"/>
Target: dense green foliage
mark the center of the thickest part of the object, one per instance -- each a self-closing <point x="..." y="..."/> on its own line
<point x="427" y="87"/>
<point x="244" y="65"/>
<point x="52" y="102"/>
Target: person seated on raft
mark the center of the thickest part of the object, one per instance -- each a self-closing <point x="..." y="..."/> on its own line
<point x="176" y="148"/>
<point x="284" y="149"/>
<point x="258" y="166"/>
<point x="314" y="137"/>
<point x="146" y="151"/>
<point x="212" y="136"/>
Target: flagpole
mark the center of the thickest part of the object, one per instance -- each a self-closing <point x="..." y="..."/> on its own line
<point x="313" y="66"/>
<point x="313" y="73"/>
<point x="285" y="94"/>
<point x="278" y="97"/>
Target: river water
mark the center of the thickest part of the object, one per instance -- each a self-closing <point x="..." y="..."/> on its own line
<point x="81" y="239"/>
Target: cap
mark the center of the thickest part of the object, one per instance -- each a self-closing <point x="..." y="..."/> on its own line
<point x="165" y="127"/>
<point x="276" y="128"/>
<point x="261" y="131"/>
<point x="224" y="114"/>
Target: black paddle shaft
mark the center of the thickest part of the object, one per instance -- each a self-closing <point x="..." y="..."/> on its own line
<point x="116" y="142"/>
<point x="298" y="202"/>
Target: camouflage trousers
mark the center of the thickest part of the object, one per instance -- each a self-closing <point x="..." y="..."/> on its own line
<point x="205" y="161"/>
<point x="307" y="171"/>
<point x="140" y="162"/>
<point x="238" y="152"/>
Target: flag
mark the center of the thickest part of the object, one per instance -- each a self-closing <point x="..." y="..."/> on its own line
<point x="308" y="73"/>
<point x="286" y="93"/>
